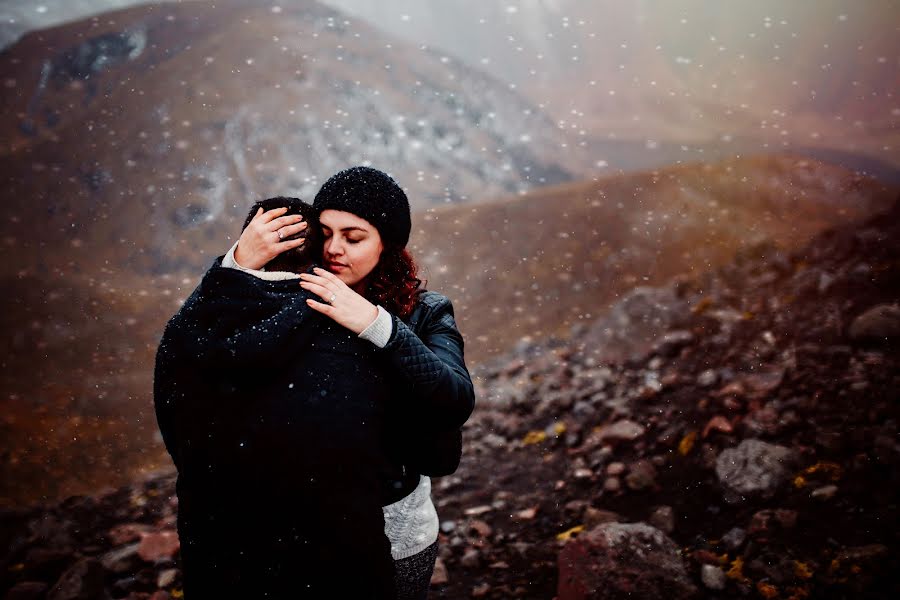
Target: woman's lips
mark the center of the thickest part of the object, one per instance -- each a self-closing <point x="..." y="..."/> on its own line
<point x="332" y="266"/>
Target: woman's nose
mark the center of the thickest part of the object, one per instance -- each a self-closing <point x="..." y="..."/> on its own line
<point x="333" y="247"/>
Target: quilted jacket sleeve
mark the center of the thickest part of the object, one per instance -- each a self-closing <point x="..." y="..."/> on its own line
<point x="433" y="365"/>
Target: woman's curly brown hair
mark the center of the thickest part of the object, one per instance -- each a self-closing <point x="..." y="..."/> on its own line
<point x="394" y="283"/>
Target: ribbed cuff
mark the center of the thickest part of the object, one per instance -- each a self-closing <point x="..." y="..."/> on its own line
<point x="229" y="263"/>
<point x="379" y="331"/>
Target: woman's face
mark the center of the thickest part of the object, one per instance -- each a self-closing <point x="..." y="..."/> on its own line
<point x="352" y="246"/>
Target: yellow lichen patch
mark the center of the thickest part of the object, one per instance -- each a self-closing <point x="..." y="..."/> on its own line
<point x="737" y="569"/>
<point x="766" y="590"/>
<point x="802" y="570"/>
<point x="686" y="443"/>
<point x="534" y="437"/>
<point x="566" y="535"/>
<point x="177" y="594"/>
<point x="747" y="315"/>
<point x="799" y="481"/>
<point x="833" y="470"/>
<point x="559" y="428"/>
<point x="723" y="559"/>
<point x="834" y="566"/>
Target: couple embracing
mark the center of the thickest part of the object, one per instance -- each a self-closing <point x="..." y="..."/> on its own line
<point x="307" y="391"/>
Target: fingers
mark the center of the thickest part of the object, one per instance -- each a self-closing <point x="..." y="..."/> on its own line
<point x="319" y="285"/>
<point x="284" y="221"/>
<point x="320" y="290"/>
<point x="325" y="309"/>
<point x="315" y="279"/>
<point x="271" y="215"/>
<point x="290" y="230"/>
<point x="328" y="275"/>
<point x="290" y="244"/>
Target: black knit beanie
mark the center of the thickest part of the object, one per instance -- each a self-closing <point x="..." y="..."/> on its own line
<point x="372" y="195"/>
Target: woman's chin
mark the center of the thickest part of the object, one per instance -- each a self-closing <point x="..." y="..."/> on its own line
<point x="347" y="278"/>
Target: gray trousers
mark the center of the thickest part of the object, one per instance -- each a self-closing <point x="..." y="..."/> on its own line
<point x="413" y="574"/>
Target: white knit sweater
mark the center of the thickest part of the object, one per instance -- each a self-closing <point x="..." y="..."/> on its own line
<point x="411" y="523"/>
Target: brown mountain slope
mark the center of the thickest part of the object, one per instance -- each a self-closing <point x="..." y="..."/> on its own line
<point x="534" y="266"/>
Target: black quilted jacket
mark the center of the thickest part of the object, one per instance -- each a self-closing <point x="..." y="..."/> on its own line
<point x="426" y="353"/>
<point x="285" y="428"/>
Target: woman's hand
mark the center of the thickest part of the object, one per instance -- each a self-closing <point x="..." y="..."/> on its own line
<point x="266" y="237"/>
<point x="343" y="304"/>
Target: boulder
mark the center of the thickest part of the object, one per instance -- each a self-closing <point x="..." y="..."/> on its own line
<point x="623" y="560"/>
<point x="753" y="468"/>
<point x="879" y="323"/>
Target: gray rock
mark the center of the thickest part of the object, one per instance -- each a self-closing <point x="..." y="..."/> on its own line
<point x="471" y="558"/>
<point x="82" y="581"/>
<point x="504" y="395"/>
<point x="880" y="323"/>
<point x="707" y="378"/>
<point x="624" y="430"/>
<point x="492" y="440"/>
<point x="635" y="324"/>
<point x="753" y="468"/>
<point x="615" y="468"/>
<point x="863" y="554"/>
<point x="735" y="538"/>
<point x="672" y="341"/>
<point x="448" y="526"/>
<point x="166" y="578"/>
<point x="713" y="577"/>
<point x="597" y="516"/>
<point x="663" y="518"/>
<point x="825" y="492"/>
<point x="641" y="475"/>
<point x="122" y="559"/>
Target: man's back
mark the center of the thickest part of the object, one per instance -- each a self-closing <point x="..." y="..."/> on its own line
<point x="279" y="456"/>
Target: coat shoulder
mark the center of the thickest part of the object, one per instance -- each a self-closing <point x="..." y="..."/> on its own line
<point x="430" y="299"/>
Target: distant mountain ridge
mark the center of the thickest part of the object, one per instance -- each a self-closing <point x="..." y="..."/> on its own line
<point x="183" y="114"/>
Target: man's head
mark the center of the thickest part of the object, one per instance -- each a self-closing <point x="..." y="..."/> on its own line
<point x="298" y="259"/>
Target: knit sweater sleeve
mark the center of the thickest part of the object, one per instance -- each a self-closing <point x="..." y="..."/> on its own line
<point x="433" y="365"/>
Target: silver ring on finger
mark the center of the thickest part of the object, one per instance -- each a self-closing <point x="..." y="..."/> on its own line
<point x="280" y="236"/>
<point x="332" y="299"/>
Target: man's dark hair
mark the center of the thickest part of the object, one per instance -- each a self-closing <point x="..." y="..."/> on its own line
<point x="299" y="259"/>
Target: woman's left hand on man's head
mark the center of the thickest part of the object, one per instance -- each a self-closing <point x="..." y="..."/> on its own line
<point x="341" y="303"/>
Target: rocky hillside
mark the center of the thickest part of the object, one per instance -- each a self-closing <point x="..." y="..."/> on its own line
<point x="748" y="448"/>
<point x="180" y="115"/>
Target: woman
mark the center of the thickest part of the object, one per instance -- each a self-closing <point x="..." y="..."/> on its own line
<point x="414" y="388"/>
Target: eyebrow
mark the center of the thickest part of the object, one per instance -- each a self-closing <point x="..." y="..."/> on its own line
<point x="348" y="228"/>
